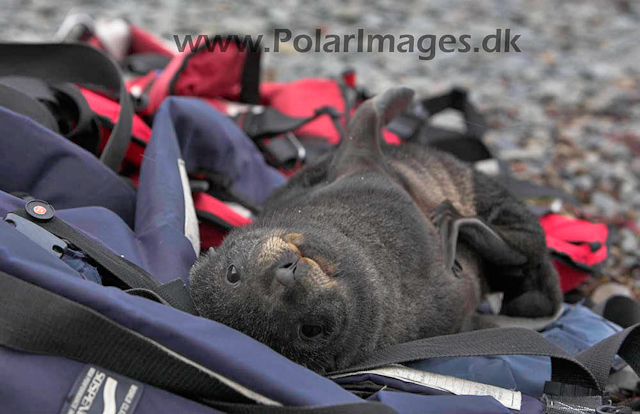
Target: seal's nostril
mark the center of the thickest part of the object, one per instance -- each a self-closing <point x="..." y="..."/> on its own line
<point x="285" y="275"/>
<point x="287" y="265"/>
<point x="286" y="268"/>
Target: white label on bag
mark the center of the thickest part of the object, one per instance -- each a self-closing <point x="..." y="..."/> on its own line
<point x="98" y="391"/>
<point x="191" y="230"/>
<point x="509" y="398"/>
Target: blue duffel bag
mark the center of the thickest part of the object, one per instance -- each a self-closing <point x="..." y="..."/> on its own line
<point x="95" y="313"/>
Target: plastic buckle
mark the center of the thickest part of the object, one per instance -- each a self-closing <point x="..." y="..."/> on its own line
<point x="301" y="152"/>
<point x="554" y="388"/>
<point x="614" y="409"/>
<point x="283" y="150"/>
<point x="138" y="97"/>
<point x="37" y="234"/>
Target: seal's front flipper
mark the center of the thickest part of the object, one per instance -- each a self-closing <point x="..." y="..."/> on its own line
<point x="526" y="277"/>
<point x="476" y="233"/>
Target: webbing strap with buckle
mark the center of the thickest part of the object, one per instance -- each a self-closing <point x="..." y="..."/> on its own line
<point x="124" y="273"/>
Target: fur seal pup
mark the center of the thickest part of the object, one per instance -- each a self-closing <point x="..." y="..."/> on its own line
<point x="373" y="246"/>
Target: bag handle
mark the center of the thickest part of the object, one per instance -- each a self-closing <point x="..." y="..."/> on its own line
<point x="457" y="99"/>
<point x="599" y="358"/>
<point x="19" y="102"/>
<point x="408" y="124"/>
<point x="69" y="62"/>
<point x="501" y="341"/>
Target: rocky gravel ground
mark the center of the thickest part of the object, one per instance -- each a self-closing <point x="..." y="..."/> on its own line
<point x="564" y="111"/>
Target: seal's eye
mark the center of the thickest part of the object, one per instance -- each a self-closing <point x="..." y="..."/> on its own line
<point x="310" y="331"/>
<point x="233" y="277"/>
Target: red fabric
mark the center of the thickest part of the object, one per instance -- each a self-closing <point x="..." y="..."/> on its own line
<point x="160" y="88"/>
<point x="301" y="98"/>
<point x="570" y="277"/>
<point x="390" y="137"/>
<point x="205" y="74"/>
<point x="107" y="108"/>
<point x="350" y="79"/>
<point x="93" y="41"/>
<point x="212" y="74"/>
<point x="570" y="237"/>
<point x="144" y="42"/>
<point x="206" y="203"/>
<point x="135" y="178"/>
<point x="210" y="234"/>
<point x="288" y="172"/>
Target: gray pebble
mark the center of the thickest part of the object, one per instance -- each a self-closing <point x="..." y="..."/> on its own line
<point x="629" y="241"/>
<point x="606" y="204"/>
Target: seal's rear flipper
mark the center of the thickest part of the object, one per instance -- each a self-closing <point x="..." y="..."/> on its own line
<point x="360" y="148"/>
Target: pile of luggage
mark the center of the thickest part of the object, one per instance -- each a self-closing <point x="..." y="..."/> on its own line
<point x="111" y="185"/>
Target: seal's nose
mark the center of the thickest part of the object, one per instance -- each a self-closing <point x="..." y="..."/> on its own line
<point x="282" y="260"/>
<point x="285" y="274"/>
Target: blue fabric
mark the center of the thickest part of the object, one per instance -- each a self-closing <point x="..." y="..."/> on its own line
<point x="47" y="166"/>
<point x="412" y="403"/>
<point x="40" y="383"/>
<point x="216" y="346"/>
<point x="78" y="261"/>
<point x="577" y="329"/>
<point x="104" y="226"/>
<point x="211" y="142"/>
<point x="157" y="244"/>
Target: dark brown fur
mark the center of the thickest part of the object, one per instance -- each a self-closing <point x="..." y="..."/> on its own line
<point x="348" y="248"/>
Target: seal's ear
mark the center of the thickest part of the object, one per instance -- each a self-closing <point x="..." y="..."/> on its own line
<point x="360" y="149"/>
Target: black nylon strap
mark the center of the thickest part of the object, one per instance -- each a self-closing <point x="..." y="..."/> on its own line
<point x="487" y="342"/>
<point x="457" y="99"/>
<point x="599" y="358"/>
<point x="281" y="151"/>
<point x="439" y="103"/>
<point x="271" y="130"/>
<point x="85" y="132"/>
<point x="34" y="87"/>
<point x="143" y="63"/>
<point x="129" y="274"/>
<point x="467" y="146"/>
<point x="21" y="103"/>
<point x="64" y="108"/>
<point x="177" y="291"/>
<point x="67" y="62"/>
<point x="270" y="122"/>
<point x="36" y="320"/>
<point x="528" y="189"/>
<point x="409" y="125"/>
<point x="250" y="83"/>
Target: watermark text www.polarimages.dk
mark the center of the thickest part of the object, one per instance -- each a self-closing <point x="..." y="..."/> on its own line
<point x="426" y="46"/>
